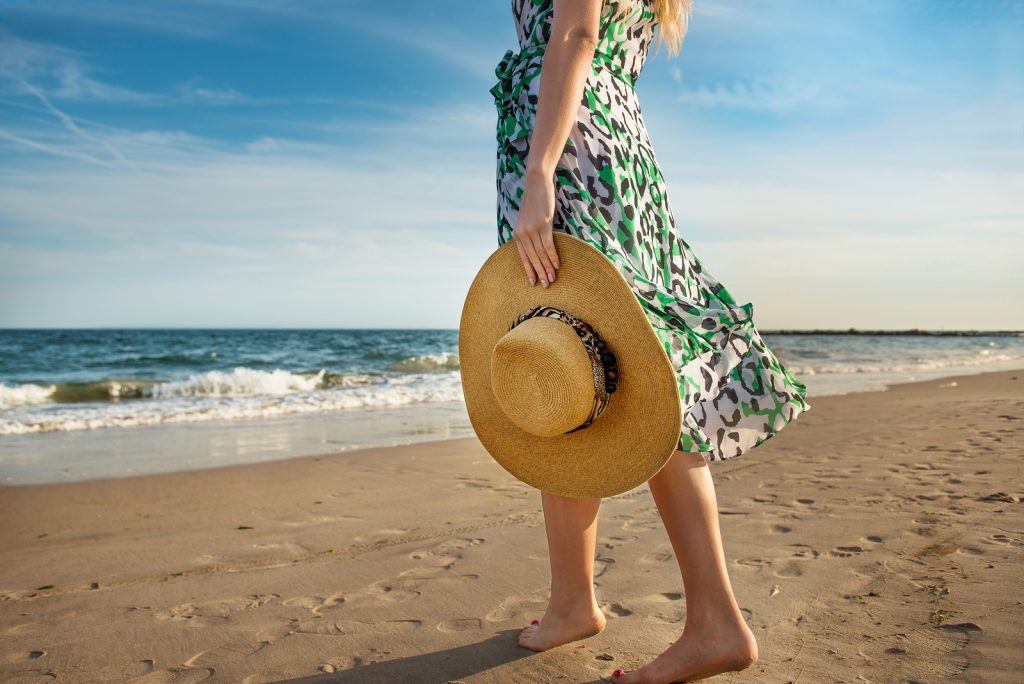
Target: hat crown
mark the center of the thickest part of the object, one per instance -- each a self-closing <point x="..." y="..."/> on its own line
<point x="542" y="376"/>
<point x="636" y="412"/>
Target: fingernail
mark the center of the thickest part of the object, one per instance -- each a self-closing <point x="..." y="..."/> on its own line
<point x="530" y="279"/>
<point x="551" y="276"/>
<point x="543" y="282"/>
<point x="556" y="264"/>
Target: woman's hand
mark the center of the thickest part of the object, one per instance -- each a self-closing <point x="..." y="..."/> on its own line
<point x="575" y="31"/>
<point x="534" y="227"/>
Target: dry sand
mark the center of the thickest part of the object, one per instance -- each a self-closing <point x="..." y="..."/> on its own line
<point x="878" y="538"/>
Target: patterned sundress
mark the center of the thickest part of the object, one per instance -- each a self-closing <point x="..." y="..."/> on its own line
<point x="610" y="192"/>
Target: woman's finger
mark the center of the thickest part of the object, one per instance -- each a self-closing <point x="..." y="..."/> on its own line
<point x="531" y="276"/>
<point x="540" y="256"/>
<point x="527" y="239"/>
<point x="530" y="247"/>
<point x="549" y="247"/>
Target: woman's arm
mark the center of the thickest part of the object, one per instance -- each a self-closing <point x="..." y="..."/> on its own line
<point x="567" y="59"/>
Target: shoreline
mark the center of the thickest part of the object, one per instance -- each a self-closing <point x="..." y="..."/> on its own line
<point x="157" y="449"/>
<point x="872" y="537"/>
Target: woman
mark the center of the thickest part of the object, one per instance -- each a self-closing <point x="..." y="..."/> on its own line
<point x="574" y="155"/>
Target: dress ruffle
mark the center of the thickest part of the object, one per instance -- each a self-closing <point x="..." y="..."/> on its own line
<point x="734" y="391"/>
<point x="515" y="93"/>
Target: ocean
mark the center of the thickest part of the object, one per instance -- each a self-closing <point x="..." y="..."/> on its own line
<point x="85" y="403"/>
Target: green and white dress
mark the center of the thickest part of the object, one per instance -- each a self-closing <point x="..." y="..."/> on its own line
<point x="609" y="191"/>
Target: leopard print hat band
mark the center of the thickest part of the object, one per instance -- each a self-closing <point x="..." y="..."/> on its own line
<point x="602" y="360"/>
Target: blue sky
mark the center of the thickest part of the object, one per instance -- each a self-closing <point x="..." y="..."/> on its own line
<point x="330" y="164"/>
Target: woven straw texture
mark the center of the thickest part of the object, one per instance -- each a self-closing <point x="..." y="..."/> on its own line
<point x="637" y="432"/>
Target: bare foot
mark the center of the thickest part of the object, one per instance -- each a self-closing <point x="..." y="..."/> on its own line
<point x="557" y="629"/>
<point x="695" y="655"/>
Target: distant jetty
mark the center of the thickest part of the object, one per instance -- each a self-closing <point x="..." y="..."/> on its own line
<point x="911" y="331"/>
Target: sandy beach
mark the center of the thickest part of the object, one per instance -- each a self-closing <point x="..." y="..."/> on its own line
<point x="878" y="538"/>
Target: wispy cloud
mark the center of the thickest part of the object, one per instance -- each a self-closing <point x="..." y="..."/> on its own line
<point x="431" y="34"/>
<point x="63" y="74"/>
<point x="776" y="94"/>
<point x="54" y="150"/>
<point x="70" y="124"/>
<point x="62" y="68"/>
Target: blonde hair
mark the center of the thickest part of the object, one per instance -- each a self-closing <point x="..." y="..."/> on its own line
<point x="673" y="17"/>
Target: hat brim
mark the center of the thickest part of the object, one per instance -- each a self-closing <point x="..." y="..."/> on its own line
<point x="638" y="431"/>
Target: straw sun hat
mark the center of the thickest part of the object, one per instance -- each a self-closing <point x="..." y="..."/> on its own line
<point x="567" y="387"/>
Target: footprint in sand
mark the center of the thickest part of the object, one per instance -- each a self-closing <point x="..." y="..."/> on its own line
<point x="673" y="610"/>
<point x="940" y="549"/>
<point x="435" y="563"/>
<point x="214" y="612"/>
<point x="21" y="628"/>
<point x="176" y="675"/>
<point x="971" y="550"/>
<point x="310" y="602"/>
<point x="221" y="654"/>
<point x="804" y="552"/>
<point x="846" y="551"/>
<point x="318" y="625"/>
<point x="351" y="662"/>
<point x="665" y="596"/>
<point x="514" y="607"/>
<point x="611" y="543"/>
<point x="789" y="569"/>
<point x="387" y="591"/>
<point x="438" y="561"/>
<point x="1004" y="539"/>
<point x="656" y="557"/>
<point x="316" y="520"/>
<point x="16" y="657"/>
<point x="640" y="525"/>
<point x="602" y="564"/>
<point x="328" y="627"/>
<point x="614" y="609"/>
<point x="381" y="592"/>
<point x="999" y="497"/>
<point x="670" y="617"/>
<point x="448" y="551"/>
<point x="187" y="612"/>
<point x="428" y="572"/>
<point x="317" y="603"/>
<point x="459" y="543"/>
<point x="461" y="625"/>
<point x="437" y="574"/>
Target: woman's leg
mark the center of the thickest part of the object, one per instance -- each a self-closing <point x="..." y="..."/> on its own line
<point x="572" y="611"/>
<point x="715" y="637"/>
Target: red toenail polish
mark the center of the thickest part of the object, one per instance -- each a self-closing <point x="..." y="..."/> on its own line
<point x="618" y="673"/>
<point x="534" y="622"/>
